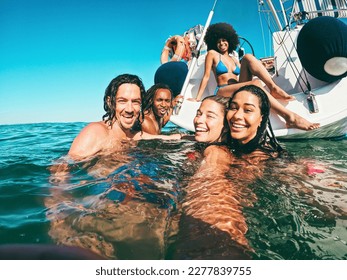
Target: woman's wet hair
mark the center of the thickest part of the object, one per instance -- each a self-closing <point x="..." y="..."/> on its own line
<point x="224" y="102"/>
<point x="219" y="31"/>
<point x="265" y="139"/>
<point x="148" y="99"/>
<point x="111" y="94"/>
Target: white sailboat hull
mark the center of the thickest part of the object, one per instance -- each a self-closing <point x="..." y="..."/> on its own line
<point x="331" y="98"/>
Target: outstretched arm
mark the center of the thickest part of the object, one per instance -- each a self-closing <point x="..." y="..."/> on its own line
<point x="147" y="136"/>
<point x="212" y="199"/>
<point x="169" y="47"/>
<point x="164" y="57"/>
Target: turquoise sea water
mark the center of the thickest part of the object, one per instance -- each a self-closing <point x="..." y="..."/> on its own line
<point x="127" y="205"/>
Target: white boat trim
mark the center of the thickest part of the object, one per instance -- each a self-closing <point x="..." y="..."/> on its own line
<point x="331" y="98"/>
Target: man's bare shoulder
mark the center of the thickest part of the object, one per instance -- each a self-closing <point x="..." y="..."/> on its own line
<point x="149" y="125"/>
<point x="96" y="127"/>
<point x="89" y="141"/>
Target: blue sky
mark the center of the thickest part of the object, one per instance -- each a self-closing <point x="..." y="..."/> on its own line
<point x="58" y="56"/>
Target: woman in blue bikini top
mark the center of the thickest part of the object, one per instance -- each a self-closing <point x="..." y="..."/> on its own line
<point x="221" y="40"/>
<point x="222" y="69"/>
<point x="230" y="74"/>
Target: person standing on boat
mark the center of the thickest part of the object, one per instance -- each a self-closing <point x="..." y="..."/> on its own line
<point x="221" y="40"/>
<point x="157" y="108"/>
<point x="122" y="103"/>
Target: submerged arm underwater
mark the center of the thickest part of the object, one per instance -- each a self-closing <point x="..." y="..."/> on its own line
<point x="212" y="211"/>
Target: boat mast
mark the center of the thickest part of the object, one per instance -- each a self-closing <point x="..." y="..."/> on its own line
<point x="201" y="40"/>
<point x="272" y="8"/>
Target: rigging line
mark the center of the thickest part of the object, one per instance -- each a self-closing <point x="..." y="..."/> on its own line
<point x="272" y="30"/>
<point x="214" y="5"/>
<point x="294" y="68"/>
<point x="307" y="83"/>
<point x="262" y="33"/>
<point x="270" y="37"/>
<point x="291" y="14"/>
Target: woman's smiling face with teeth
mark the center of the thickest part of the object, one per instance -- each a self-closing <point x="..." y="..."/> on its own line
<point x="244" y="116"/>
<point x="222" y="45"/>
<point x="209" y="122"/>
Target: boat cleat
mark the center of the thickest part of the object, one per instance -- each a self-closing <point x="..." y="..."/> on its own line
<point x="311" y="101"/>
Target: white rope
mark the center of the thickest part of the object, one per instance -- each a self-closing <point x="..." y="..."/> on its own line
<point x="262" y="31"/>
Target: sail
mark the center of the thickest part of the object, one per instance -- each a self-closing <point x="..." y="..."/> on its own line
<point x="309" y="9"/>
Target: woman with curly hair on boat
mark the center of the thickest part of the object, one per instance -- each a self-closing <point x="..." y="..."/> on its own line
<point x="222" y="40"/>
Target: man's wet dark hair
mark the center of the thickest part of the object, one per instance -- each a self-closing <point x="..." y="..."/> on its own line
<point x="265" y="139"/>
<point x="111" y="94"/>
<point x="221" y="31"/>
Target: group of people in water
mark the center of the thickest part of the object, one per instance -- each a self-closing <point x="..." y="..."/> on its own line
<point x="234" y="123"/>
<point x="234" y="128"/>
<point x="134" y="114"/>
<point x="240" y="121"/>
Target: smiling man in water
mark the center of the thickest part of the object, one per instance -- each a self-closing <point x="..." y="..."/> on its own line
<point x="157" y="107"/>
<point x="122" y="103"/>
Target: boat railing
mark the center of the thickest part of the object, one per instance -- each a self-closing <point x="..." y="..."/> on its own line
<point x="286" y="14"/>
<point x="270" y="64"/>
<point x="309" y="9"/>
